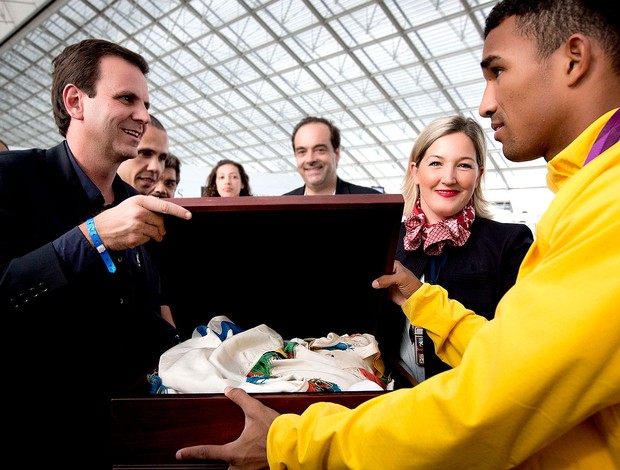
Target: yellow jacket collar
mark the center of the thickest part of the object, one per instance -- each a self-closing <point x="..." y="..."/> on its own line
<point x="570" y="160"/>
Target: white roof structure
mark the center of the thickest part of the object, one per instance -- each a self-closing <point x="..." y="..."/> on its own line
<point x="231" y="78"/>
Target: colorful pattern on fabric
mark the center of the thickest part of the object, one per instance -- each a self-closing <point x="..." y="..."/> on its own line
<point x="453" y="231"/>
<point x="226" y="329"/>
<point x="381" y="381"/>
<point x="155" y="384"/>
<point x="260" y="360"/>
<point x="318" y="385"/>
<point x="262" y="370"/>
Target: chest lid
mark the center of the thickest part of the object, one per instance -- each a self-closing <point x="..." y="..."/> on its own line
<point x="302" y="265"/>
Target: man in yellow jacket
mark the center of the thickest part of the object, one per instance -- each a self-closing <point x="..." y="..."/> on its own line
<point x="538" y="386"/>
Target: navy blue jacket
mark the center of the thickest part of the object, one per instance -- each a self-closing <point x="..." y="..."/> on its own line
<point x="82" y="335"/>
<point x="342" y="187"/>
<point x="476" y="274"/>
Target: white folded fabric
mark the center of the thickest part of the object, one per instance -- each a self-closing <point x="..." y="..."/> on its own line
<point x="222" y="354"/>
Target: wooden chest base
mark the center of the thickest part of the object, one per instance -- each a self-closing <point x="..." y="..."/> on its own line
<point x="147" y="432"/>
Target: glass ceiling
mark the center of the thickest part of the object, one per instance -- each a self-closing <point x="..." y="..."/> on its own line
<point x="231" y="78"/>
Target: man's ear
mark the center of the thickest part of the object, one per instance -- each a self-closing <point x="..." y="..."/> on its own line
<point x="74" y="103"/>
<point x="578" y="52"/>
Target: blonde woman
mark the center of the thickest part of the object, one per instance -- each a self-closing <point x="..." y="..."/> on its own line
<point x="447" y="236"/>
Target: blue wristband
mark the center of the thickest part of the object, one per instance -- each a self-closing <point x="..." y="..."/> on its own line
<point x="94" y="236"/>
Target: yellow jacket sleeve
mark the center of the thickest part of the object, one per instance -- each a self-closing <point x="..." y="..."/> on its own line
<point x="448" y="323"/>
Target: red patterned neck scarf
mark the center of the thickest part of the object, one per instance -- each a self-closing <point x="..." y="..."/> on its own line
<point x="453" y="231"/>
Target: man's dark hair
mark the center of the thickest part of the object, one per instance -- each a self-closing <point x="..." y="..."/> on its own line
<point x="551" y="22"/>
<point x="334" y="132"/>
<point x="156" y="123"/>
<point x="79" y="64"/>
<point x="172" y="161"/>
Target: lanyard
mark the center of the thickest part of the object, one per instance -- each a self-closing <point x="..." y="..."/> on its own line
<point x="435" y="270"/>
<point x="609" y="135"/>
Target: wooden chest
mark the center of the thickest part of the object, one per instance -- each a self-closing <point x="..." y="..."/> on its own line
<point x="301" y="265"/>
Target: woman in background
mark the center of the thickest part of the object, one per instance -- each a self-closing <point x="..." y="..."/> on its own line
<point x="227" y="179"/>
<point x="447" y="235"/>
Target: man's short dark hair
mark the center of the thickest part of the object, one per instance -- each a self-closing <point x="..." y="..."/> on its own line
<point x="334" y="132"/>
<point x="598" y="19"/>
<point x="156" y="123"/>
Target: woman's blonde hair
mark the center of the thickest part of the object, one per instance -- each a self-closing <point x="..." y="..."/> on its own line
<point x="439" y="128"/>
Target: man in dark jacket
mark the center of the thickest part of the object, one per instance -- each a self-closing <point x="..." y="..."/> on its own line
<point x="79" y="289"/>
<point x="316" y="144"/>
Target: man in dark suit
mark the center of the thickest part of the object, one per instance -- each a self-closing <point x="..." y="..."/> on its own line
<point x="316" y="144"/>
<point x="79" y="289"/>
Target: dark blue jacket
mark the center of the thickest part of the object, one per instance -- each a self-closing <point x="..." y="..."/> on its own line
<point x="342" y="187"/>
<point x="79" y="335"/>
<point x="476" y="274"/>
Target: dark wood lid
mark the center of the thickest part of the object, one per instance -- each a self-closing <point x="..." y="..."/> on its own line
<point x="303" y="265"/>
